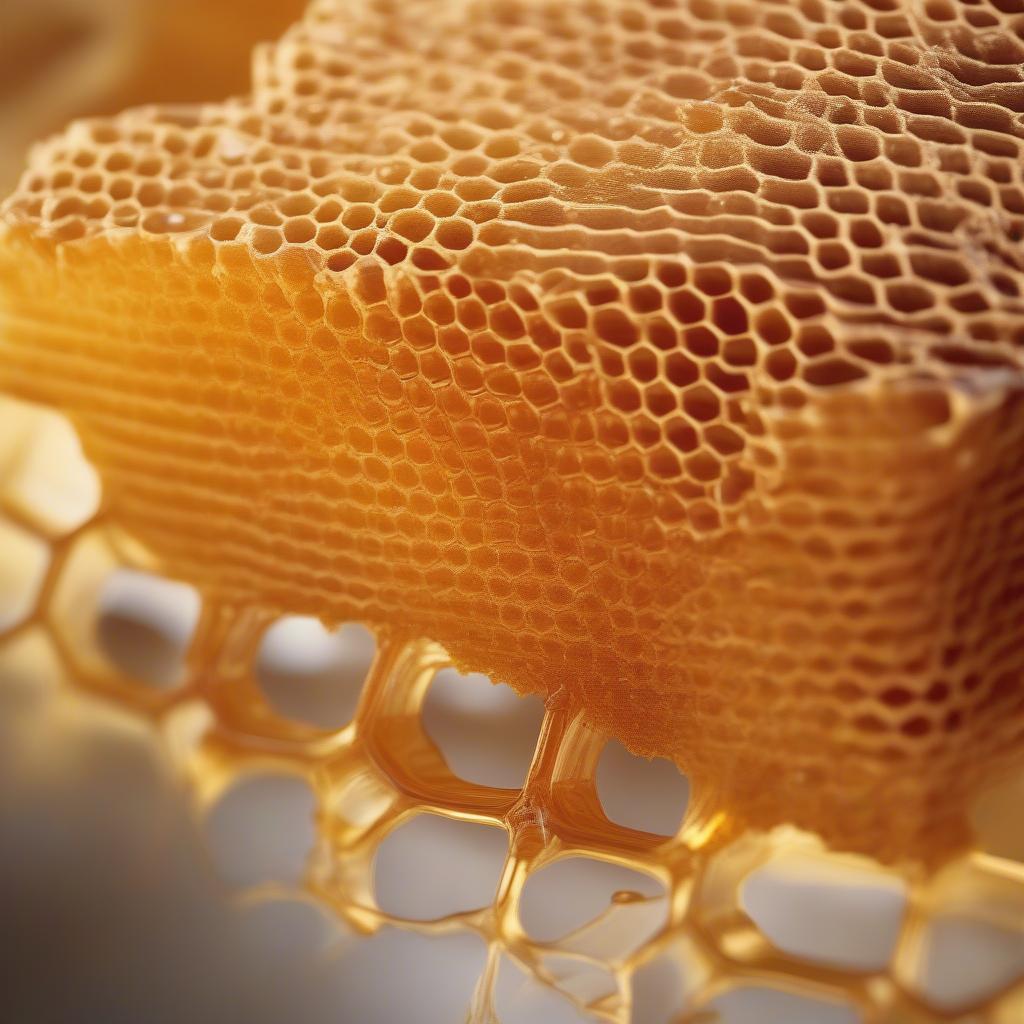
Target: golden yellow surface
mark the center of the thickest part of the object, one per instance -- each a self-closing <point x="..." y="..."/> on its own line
<point x="661" y="358"/>
<point x="657" y="358"/>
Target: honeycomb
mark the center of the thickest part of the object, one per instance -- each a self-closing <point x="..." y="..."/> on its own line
<point x="684" y="936"/>
<point x="659" y="358"/>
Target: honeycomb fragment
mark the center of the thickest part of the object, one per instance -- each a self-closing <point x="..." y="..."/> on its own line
<point x="662" y="358"/>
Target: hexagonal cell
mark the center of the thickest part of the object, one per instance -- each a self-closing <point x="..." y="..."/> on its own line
<point x="121" y="627"/>
<point x="594" y="907"/>
<point x="827" y="911"/>
<point x="487" y="733"/>
<point x="311" y="675"/>
<point x="968" y="945"/>
<point x="752" y="1004"/>
<point x="262" y="829"/>
<point x="986" y="959"/>
<point x="51" y="483"/>
<point x="964" y="962"/>
<point x="649" y="795"/>
<point x="22" y="570"/>
<point x="431" y="867"/>
<point x="144" y="626"/>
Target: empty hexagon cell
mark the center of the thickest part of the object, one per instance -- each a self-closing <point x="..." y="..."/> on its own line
<point x="663" y="987"/>
<point x="432" y="867"/>
<point x="966" y="961"/>
<point x="486" y="733"/>
<point x="312" y="675"/>
<point x="117" y="623"/>
<point x="640" y="793"/>
<point x="827" y="912"/>
<point x="145" y="624"/>
<point x="969" y="946"/>
<point x="592" y="906"/>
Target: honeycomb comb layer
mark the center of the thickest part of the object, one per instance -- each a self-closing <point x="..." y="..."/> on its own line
<point x="661" y="358"/>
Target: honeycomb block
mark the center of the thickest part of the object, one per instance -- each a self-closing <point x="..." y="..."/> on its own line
<point x="663" y="357"/>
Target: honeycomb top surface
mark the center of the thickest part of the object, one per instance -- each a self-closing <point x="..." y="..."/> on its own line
<point x="661" y="357"/>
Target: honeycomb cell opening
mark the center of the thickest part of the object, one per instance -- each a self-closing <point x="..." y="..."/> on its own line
<point x="433" y="867"/>
<point x="826" y="912"/>
<point x="313" y="676"/>
<point x="144" y="626"/>
<point x="486" y="733"/>
<point x="560" y="900"/>
<point x="648" y="795"/>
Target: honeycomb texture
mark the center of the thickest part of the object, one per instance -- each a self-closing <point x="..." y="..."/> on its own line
<point x="662" y="358"/>
<point x="382" y="770"/>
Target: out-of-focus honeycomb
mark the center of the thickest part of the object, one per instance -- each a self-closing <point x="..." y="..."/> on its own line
<point x="68" y="58"/>
<point x="661" y="358"/>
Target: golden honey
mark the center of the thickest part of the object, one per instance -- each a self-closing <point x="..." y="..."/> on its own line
<point x="662" y="359"/>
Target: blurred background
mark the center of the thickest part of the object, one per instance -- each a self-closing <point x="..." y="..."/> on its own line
<point x="120" y="903"/>
<point x="61" y="59"/>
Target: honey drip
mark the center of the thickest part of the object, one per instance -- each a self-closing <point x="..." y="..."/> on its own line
<point x="660" y="358"/>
